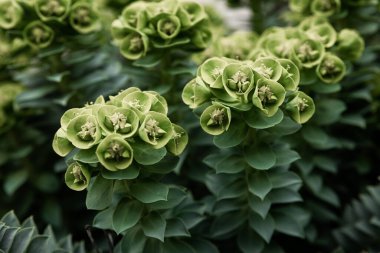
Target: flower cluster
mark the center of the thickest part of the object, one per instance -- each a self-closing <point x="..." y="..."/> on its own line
<point x="317" y="7"/>
<point x="39" y="22"/>
<point x="113" y="131"/>
<point x="157" y="26"/>
<point x="263" y="85"/>
<point x="8" y="92"/>
<point x="313" y="46"/>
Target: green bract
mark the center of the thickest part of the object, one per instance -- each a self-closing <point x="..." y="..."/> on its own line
<point x="268" y="96"/>
<point x="77" y="176"/>
<point x="290" y="75"/>
<point x="216" y="119"/>
<point x="268" y="67"/>
<point x="158" y="102"/>
<point x="61" y="145"/>
<point x="139" y="101"/>
<point x="179" y="141"/>
<point x="52" y="9"/>
<point x="156" y="129"/>
<point x="83" y="18"/>
<point x="308" y="53"/>
<point x="300" y="107"/>
<point x="350" y="44"/>
<point x="331" y="69"/>
<point x="325" y="7"/>
<point x="238" y="81"/>
<point x="190" y="13"/>
<point x="211" y="72"/>
<point x="83" y="131"/>
<point x="135" y="15"/>
<point x="114" y="153"/>
<point x="195" y="93"/>
<point x="39" y="35"/>
<point x="113" y="119"/>
<point x="11" y="13"/>
<point x="324" y="33"/>
<point x="167" y="26"/>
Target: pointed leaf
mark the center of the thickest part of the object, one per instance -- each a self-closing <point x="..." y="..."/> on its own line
<point x="127" y="214"/>
<point x="259" y="184"/>
<point x="154" y="226"/>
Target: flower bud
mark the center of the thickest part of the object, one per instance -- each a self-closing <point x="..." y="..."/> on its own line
<point x="350" y="44"/>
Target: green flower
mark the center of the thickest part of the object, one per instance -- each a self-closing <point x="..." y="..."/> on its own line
<point x="195" y="93"/>
<point x="268" y="67"/>
<point x="71" y="114"/>
<point x="290" y="76"/>
<point x="39" y="35"/>
<point x="138" y="101"/>
<point x="201" y="36"/>
<point x="216" y="119"/>
<point x="83" y="131"/>
<point x="278" y="47"/>
<point x="325" y="7"/>
<point x="350" y="44"/>
<point x="299" y="5"/>
<point x="11" y="13"/>
<point x="246" y="41"/>
<point x="156" y="129"/>
<point x="268" y="96"/>
<point x="83" y="18"/>
<point x="323" y="33"/>
<point x="211" y="72"/>
<point x="77" y="176"/>
<point x="331" y="69"/>
<point x="190" y="13"/>
<point x="134" y="15"/>
<point x="178" y="142"/>
<point x="300" y="107"/>
<point x="308" y="53"/>
<point x="114" y="153"/>
<point x="113" y="119"/>
<point x="158" y="102"/>
<point x="167" y="26"/>
<point x="61" y="145"/>
<point x="238" y="81"/>
<point x="117" y="100"/>
<point x="52" y="9"/>
<point x="166" y="6"/>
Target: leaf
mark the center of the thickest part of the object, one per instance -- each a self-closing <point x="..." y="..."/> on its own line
<point x="326" y="163"/>
<point x="22" y="240"/>
<point x="235" y="135"/>
<point x="328" y="195"/>
<point x="131" y="172"/>
<point x="328" y="111"/>
<point x="164" y="166"/>
<point x="283" y="196"/>
<point x="354" y="120"/>
<point x="103" y="219"/>
<point x="145" y="154"/>
<point x="285" y="156"/>
<point x="284" y="179"/>
<point x="287" y="225"/>
<point x="261" y="207"/>
<point x="99" y="195"/>
<point x="249" y="242"/>
<point x="149" y="191"/>
<point x="133" y="241"/>
<point x="149" y="61"/>
<point x="233" y="190"/>
<point x="86" y="156"/>
<point x="175" y="228"/>
<point x="226" y="205"/>
<point x="38" y="244"/>
<point x="286" y="127"/>
<point x="257" y="119"/>
<point x="15" y="180"/>
<point x="315" y="136"/>
<point x="154" y="226"/>
<point x="177" y="246"/>
<point x="203" y="246"/>
<point x="175" y="196"/>
<point x="127" y="214"/>
<point x="9" y="235"/>
<point x="226" y="223"/>
<point x="263" y="227"/>
<point x="259" y="184"/>
<point x="230" y="164"/>
<point x="260" y="157"/>
<point x="10" y="219"/>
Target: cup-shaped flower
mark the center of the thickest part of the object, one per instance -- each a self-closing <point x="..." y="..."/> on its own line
<point x="117" y="100"/>
<point x="290" y="76"/>
<point x="83" y="18"/>
<point x="114" y="153"/>
<point x="195" y="93"/>
<point x="178" y="142"/>
<point x="37" y="34"/>
<point x="138" y="101"/>
<point x="325" y="7"/>
<point x="331" y="69"/>
<point x="61" y="145"/>
<point x="158" y="102"/>
<point x="268" y="67"/>
<point x="278" y="47"/>
<point x="77" y="176"/>
<point x="83" y="131"/>
<point x="167" y="26"/>
<point x="308" y="53"/>
<point x="299" y="5"/>
<point x="211" y="72"/>
<point x="238" y="81"/>
<point x="166" y="6"/>
<point x="156" y="129"/>
<point x="324" y="33"/>
<point x="134" y="45"/>
<point x="71" y="114"/>
<point x="134" y="15"/>
<point x="246" y="41"/>
<point x="113" y="119"/>
<point x="190" y="13"/>
<point x="11" y="14"/>
<point x="216" y="119"/>
<point x="268" y="96"/>
<point x="312" y="21"/>
<point x="201" y="36"/>
<point x="350" y="44"/>
<point x="300" y="107"/>
<point x="52" y="9"/>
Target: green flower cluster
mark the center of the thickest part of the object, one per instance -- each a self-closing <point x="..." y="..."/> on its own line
<point x="261" y="86"/>
<point x="158" y="26"/>
<point x="323" y="8"/>
<point x="112" y="132"/>
<point x="8" y="92"/>
<point x="38" y="23"/>
<point x="313" y="46"/>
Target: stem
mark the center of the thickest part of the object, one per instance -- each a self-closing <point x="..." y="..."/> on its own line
<point x="257" y="19"/>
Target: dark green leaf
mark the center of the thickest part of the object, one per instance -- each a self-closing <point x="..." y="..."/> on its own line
<point x="175" y="196"/>
<point x="235" y="134"/>
<point x="164" y="166"/>
<point x="145" y="154"/>
<point x="261" y="207"/>
<point x="260" y="157"/>
<point x="149" y="191"/>
<point x="257" y="119"/>
<point x="175" y="228"/>
<point x="154" y="226"/>
<point x="86" y="156"/>
<point x="263" y="227"/>
<point x="230" y="164"/>
<point x="127" y="214"/>
<point x="103" y="219"/>
<point x="176" y="246"/>
<point x="131" y="172"/>
<point x="99" y="195"/>
<point x="227" y="223"/>
<point x="14" y="180"/>
<point x="203" y="246"/>
<point x="284" y="195"/>
<point x="22" y="240"/>
<point x="249" y="242"/>
<point x="38" y="244"/>
<point x="259" y="184"/>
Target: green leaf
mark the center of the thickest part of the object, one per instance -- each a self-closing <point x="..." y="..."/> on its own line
<point x="22" y="240"/>
<point x="261" y="207"/>
<point x="154" y="226"/>
<point x="149" y="61"/>
<point x="38" y="244"/>
<point x="284" y="179"/>
<point x="175" y="228"/>
<point x="233" y="190"/>
<point x="235" y="134"/>
<point x="149" y="191"/>
<point x="99" y="195"/>
<point x="286" y="127"/>
<point x="10" y="219"/>
<point x="354" y="120"/>
<point x="328" y="195"/>
<point x="259" y="184"/>
<point x="175" y="196"/>
<point x="152" y="246"/>
<point x="230" y="164"/>
<point x="226" y="205"/>
<point x="328" y="111"/>
<point x="249" y="242"/>
<point x="203" y="246"/>
<point x="326" y="163"/>
<point x="227" y="223"/>
<point x="145" y="154"/>
<point x="263" y="227"/>
<point x="15" y="180"/>
<point x="103" y="219"/>
<point x="288" y="225"/>
<point x="9" y="235"/>
<point x="133" y="241"/>
<point x="260" y="157"/>
<point x="284" y="195"/>
<point x="285" y="156"/>
<point x="257" y="119"/>
<point x="86" y="156"/>
<point x="176" y="246"/>
<point x="131" y="172"/>
<point x="127" y="214"/>
<point x="315" y="136"/>
<point x="164" y="166"/>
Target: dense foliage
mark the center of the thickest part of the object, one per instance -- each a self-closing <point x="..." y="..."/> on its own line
<point x="150" y="126"/>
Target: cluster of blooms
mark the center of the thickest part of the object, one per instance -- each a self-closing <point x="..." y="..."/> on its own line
<point x="8" y="92"/>
<point x="37" y="23"/>
<point x="313" y="46"/>
<point x="264" y="84"/>
<point x="113" y="130"/>
<point x="157" y="26"/>
<point x="317" y="7"/>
